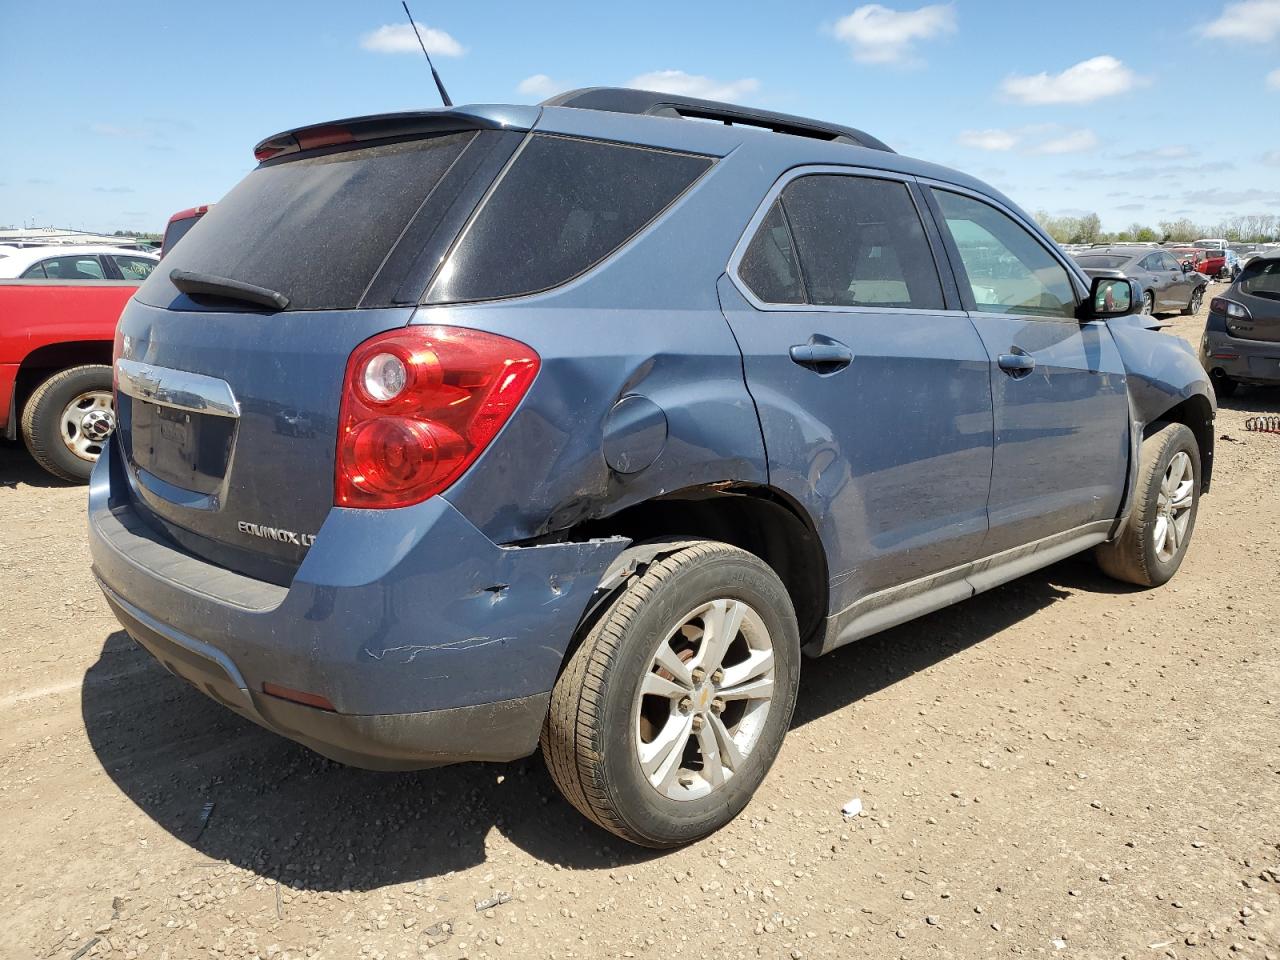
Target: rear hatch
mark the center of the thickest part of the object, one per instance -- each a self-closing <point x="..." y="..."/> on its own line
<point x="231" y="357"/>
<point x="1257" y="289"/>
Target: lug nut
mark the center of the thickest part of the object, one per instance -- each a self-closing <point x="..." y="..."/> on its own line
<point x="699" y="674"/>
<point x="717" y="706"/>
<point x="698" y="721"/>
<point x="718" y="677"/>
<point x="686" y="705"/>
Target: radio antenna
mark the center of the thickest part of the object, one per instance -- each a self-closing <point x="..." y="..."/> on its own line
<point x="444" y="94"/>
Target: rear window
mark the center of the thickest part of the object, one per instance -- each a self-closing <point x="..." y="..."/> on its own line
<point x="176" y="230"/>
<point x="563" y="206"/>
<point x="1101" y="262"/>
<point x="1261" y="278"/>
<point x="315" y="229"/>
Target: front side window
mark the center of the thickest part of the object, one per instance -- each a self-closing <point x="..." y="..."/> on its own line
<point x="563" y="206"/>
<point x="73" y="268"/>
<point x="861" y="243"/>
<point x="1009" y="270"/>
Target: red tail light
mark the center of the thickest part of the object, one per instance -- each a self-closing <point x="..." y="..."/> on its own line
<point x="1236" y="311"/>
<point x="419" y="405"/>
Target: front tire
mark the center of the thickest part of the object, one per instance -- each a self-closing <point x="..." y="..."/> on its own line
<point x="1148" y="304"/>
<point x="670" y="713"/>
<point x="1153" y="542"/>
<point x="68" y="420"/>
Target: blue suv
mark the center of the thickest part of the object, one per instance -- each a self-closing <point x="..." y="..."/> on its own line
<point x="609" y="415"/>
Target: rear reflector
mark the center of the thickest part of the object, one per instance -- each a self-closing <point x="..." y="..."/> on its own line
<point x="419" y="405"/>
<point x="298" y="696"/>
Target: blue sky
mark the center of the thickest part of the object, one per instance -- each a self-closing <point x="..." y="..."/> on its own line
<point x="119" y="114"/>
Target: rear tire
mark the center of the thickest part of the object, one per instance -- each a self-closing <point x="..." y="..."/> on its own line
<point x="1153" y="542"/>
<point x="68" y="419"/>
<point x="637" y="684"/>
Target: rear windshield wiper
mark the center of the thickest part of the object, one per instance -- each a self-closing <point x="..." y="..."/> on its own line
<point x="190" y="282"/>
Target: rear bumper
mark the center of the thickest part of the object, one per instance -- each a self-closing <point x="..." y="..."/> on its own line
<point x="434" y="644"/>
<point x="1249" y="361"/>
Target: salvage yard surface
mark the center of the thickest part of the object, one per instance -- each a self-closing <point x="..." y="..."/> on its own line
<point x="1062" y="766"/>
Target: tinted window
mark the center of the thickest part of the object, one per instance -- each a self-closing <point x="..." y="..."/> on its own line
<point x="33" y="272"/>
<point x="84" y="267"/>
<point x="1261" y="278"/>
<point x="769" y="267"/>
<point x="562" y="207"/>
<point x="1103" y="261"/>
<point x="176" y="230"/>
<point x="861" y="243"/>
<point x="1009" y="270"/>
<point x="315" y="229"/>
<point x="134" y="268"/>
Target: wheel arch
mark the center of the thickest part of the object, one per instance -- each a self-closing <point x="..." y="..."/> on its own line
<point x="43" y="362"/>
<point x="755" y="517"/>
<point x="1196" y="412"/>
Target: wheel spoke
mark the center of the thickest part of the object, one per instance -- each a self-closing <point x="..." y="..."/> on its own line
<point x="671" y="662"/>
<point x="758" y="689"/>
<point x="712" y="765"/>
<point x="1172" y="527"/>
<point x="729" y="754"/>
<point x="1160" y="532"/>
<point x="722" y="623"/>
<point x="760" y="662"/>
<point x="660" y="758"/>
<point x="656" y="685"/>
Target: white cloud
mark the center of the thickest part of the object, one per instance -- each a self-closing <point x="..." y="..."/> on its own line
<point x="693" y="85"/>
<point x="876" y="34"/>
<point x="988" y="139"/>
<point x="1085" y="82"/>
<point x="1273" y="80"/>
<point x="541" y="86"/>
<point x="1174" y="151"/>
<point x="1257" y="21"/>
<point x="399" y="38"/>
<point x="1076" y="141"/>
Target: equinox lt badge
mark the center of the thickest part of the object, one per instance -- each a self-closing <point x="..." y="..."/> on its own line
<point x="275" y="533"/>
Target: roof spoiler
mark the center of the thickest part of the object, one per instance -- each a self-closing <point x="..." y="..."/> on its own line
<point x="654" y="104"/>
<point x="384" y="126"/>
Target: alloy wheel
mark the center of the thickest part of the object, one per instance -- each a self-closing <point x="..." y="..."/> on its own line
<point x="702" y="704"/>
<point x="1174" y="504"/>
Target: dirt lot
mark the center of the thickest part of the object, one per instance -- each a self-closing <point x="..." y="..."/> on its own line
<point x="1061" y="766"/>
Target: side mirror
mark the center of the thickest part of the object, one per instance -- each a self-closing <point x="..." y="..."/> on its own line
<point x="1112" y="297"/>
<point x="1186" y="266"/>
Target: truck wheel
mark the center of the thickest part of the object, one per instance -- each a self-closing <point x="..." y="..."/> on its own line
<point x="671" y="711"/>
<point x="1153" y="542"/>
<point x="67" y="420"/>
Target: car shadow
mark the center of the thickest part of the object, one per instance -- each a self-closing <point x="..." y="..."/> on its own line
<point x="284" y="812"/>
<point x="1252" y="399"/>
<point x="17" y="467"/>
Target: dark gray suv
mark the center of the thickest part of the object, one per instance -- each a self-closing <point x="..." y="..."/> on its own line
<point x="609" y="415"/>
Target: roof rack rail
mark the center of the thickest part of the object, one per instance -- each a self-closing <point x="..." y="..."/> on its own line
<point x="654" y="104"/>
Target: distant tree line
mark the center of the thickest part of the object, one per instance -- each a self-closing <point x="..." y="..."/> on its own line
<point x="1252" y="228"/>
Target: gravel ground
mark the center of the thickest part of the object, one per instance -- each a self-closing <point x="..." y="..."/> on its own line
<point x="1061" y="766"/>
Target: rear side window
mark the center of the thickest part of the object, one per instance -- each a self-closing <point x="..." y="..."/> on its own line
<point x="315" y="229"/>
<point x="1102" y="261"/>
<point x="134" y="268"/>
<point x="1261" y="278"/>
<point x="1009" y="270"/>
<point x="861" y="243"/>
<point x="563" y="206"/>
<point x="769" y="267"/>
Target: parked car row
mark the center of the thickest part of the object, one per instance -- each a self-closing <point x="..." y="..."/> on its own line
<point x="1166" y="284"/>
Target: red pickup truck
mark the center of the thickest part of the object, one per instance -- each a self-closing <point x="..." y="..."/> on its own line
<point x="56" y="339"/>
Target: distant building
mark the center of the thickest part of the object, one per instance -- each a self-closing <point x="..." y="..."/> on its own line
<point x="53" y="236"/>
